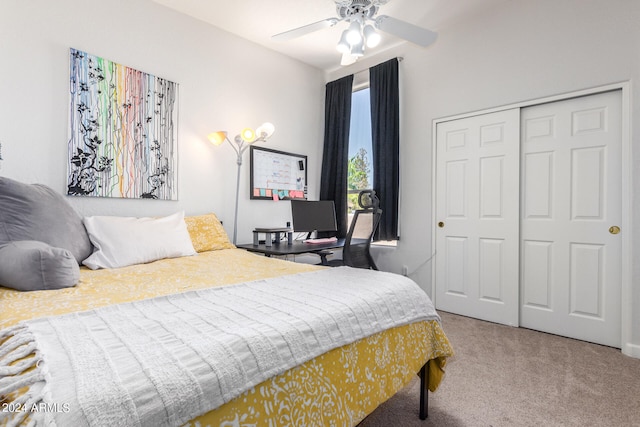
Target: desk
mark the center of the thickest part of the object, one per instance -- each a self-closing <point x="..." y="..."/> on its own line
<point x="295" y="248"/>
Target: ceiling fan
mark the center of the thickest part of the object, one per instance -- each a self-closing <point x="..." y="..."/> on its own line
<point x="361" y="14"/>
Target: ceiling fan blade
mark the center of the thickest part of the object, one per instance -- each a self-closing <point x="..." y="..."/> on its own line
<point x="404" y="30"/>
<point x="347" y="59"/>
<point x="306" y="29"/>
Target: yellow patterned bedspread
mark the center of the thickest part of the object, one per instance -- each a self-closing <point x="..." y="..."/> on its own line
<point x="338" y="388"/>
<point x="98" y="288"/>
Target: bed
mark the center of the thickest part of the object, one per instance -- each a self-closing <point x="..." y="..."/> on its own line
<point x="339" y="382"/>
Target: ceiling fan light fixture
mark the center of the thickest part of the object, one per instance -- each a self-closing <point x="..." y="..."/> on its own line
<point x="357" y="49"/>
<point x="364" y="28"/>
<point x="372" y="37"/>
<point x="354" y="33"/>
<point x="343" y="45"/>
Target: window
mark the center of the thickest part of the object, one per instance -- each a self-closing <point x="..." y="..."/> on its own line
<point x="360" y="169"/>
<point x="383" y="143"/>
<point x="360" y="166"/>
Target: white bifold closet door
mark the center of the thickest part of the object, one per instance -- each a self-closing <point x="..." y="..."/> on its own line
<point x="528" y="208"/>
<point x="571" y="212"/>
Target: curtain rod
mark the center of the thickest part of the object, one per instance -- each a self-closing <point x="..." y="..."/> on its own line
<point x="355" y="73"/>
<point x="399" y="58"/>
<point x="363" y="84"/>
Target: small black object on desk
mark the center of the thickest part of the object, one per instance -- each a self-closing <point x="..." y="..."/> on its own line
<point x="268" y="232"/>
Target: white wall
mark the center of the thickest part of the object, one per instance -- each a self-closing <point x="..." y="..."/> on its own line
<point x="226" y="83"/>
<point x="519" y="51"/>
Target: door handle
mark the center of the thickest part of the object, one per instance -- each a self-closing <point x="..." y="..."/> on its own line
<point x="441" y="224"/>
<point x="614" y="229"/>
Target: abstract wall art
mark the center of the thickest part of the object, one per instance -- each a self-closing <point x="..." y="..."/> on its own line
<point x="123" y="131"/>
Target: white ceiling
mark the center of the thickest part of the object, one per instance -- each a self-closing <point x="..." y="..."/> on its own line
<point x="258" y="20"/>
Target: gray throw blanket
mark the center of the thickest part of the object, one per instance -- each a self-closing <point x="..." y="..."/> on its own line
<point x="166" y="360"/>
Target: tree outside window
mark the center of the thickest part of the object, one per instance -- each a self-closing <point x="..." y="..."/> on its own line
<point x="360" y="149"/>
<point x="358" y="180"/>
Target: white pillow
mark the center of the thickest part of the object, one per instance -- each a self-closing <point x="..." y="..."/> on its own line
<point x="122" y="241"/>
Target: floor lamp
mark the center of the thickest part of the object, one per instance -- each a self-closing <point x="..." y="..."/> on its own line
<point x="240" y="144"/>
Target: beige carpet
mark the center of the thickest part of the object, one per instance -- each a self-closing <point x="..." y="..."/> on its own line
<point x="504" y="376"/>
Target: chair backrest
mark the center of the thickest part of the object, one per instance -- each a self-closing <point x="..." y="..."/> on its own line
<point x="364" y="224"/>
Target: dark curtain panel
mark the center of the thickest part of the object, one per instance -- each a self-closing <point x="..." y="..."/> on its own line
<point x="337" y="118"/>
<point x="385" y="133"/>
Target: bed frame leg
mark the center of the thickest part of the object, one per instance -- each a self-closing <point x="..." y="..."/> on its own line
<point x="424" y="391"/>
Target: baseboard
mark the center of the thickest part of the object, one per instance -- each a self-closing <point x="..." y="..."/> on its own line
<point x="632" y="350"/>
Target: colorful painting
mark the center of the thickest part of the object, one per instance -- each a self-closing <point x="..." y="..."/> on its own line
<point x="123" y="131"/>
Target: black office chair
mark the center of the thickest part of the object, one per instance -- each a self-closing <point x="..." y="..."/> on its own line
<point x="357" y="244"/>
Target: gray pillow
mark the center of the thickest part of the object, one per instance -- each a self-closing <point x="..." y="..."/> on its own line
<point x="36" y="212"/>
<point x="29" y="265"/>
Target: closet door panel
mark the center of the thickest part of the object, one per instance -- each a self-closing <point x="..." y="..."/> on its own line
<point x="477" y="212"/>
<point x="570" y="202"/>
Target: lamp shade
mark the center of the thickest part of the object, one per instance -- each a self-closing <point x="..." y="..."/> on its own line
<point x="248" y="135"/>
<point x="343" y="44"/>
<point x="354" y="35"/>
<point x="265" y="130"/>
<point x="217" y="138"/>
<point x="371" y="36"/>
<point x="357" y="49"/>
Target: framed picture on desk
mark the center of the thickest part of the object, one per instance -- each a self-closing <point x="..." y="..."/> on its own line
<point x="277" y="175"/>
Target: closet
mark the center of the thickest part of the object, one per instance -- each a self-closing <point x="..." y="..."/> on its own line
<point x="528" y="210"/>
